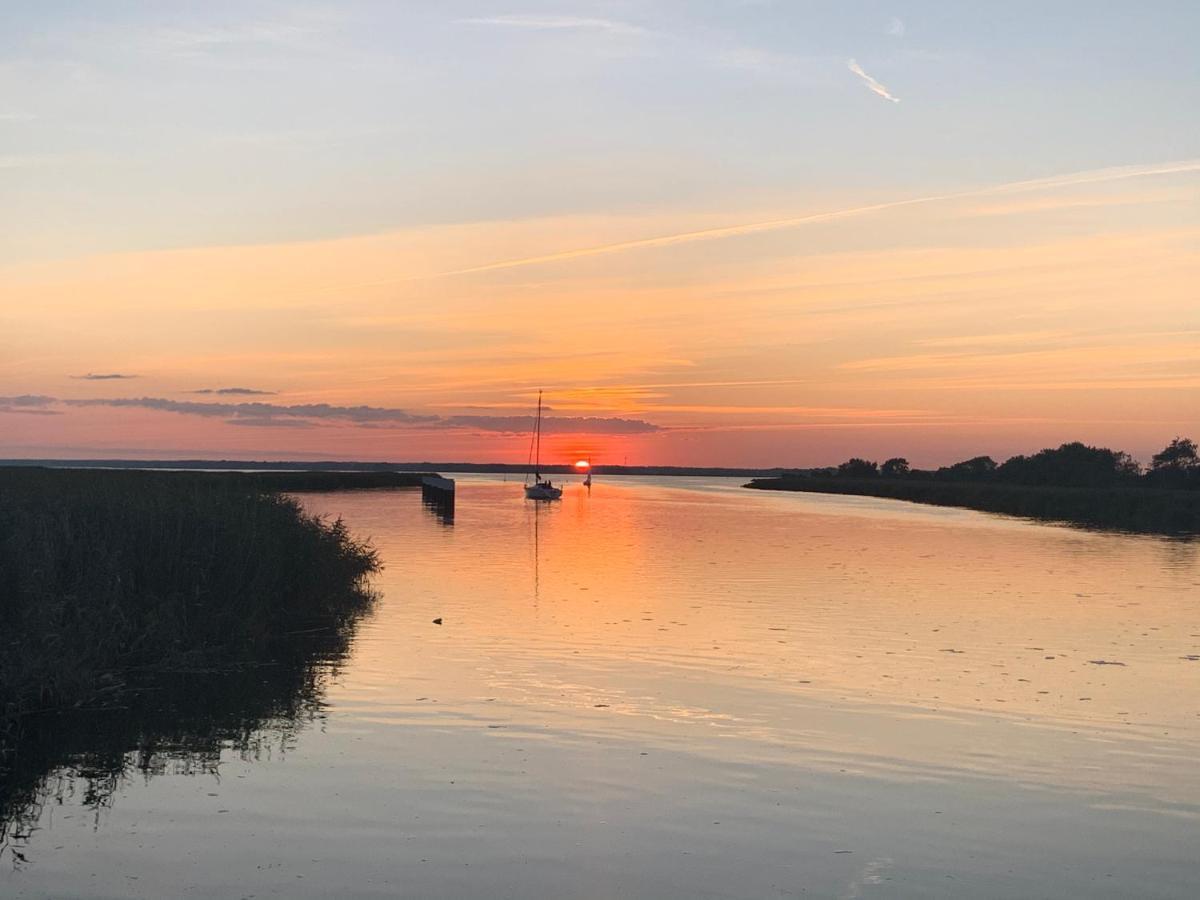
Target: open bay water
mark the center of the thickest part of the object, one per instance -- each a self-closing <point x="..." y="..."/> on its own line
<point x="677" y="688"/>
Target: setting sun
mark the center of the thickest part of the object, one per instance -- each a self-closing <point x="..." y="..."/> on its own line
<point x="582" y="464"/>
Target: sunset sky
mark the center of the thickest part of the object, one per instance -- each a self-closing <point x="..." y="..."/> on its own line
<point x="727" y="232"/>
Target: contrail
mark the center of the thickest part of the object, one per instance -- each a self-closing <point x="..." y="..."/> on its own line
<point x="1092" y="176"/>
<point x="871" y="82"/>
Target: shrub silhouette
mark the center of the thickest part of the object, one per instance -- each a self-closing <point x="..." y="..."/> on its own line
<point x="977" y="468"/>
<point x="858" y="468"/>
<point x="1177" y="465"/>
<point x="1074" y="465"/>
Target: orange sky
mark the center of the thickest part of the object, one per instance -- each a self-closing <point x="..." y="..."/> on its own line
<point x="772" y="310"/>
<point x="950" y="328"/>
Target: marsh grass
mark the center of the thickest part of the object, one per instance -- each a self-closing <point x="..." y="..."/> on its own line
<point x="108" y="576"/>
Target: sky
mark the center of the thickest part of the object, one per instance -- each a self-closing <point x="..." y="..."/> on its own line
<point x="714" y="232"/>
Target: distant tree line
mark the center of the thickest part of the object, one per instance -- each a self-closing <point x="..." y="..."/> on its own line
<point x="1071" y="465"/>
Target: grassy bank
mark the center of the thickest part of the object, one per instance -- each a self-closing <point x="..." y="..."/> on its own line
<point x="108" y="575"/>
<point x="1139" y="509"/>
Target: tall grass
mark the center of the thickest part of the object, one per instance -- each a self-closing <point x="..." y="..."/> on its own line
<point x="108" y="574"/>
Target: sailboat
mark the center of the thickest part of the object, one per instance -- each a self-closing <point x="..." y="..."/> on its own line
<point x="587" y="482"/>
<point x="539" y="490"/>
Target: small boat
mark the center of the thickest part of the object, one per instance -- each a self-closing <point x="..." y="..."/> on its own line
<point x="587" y="482"/>
<point x="539" y="490"/>
<point x="542" y="490"/>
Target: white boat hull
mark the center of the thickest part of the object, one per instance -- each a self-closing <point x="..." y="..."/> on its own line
<point x="542" y="492"/>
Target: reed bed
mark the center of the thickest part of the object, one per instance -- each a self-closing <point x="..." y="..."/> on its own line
<point x="108" y="575"/>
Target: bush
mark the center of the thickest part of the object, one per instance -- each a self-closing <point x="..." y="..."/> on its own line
<point x="1177" y="466"/>
<point x="858" y="468"/>
<point x="1073" y="465"/>
<point x="977" y="468"/>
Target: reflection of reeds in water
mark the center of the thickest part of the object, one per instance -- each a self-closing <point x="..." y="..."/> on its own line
<point x="172" y="615"/>
<point x="178" y="724"/>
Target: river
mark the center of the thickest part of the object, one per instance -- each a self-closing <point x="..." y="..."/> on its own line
<point x="677" y="688"/>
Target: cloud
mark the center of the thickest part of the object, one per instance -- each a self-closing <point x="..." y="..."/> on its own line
<point x="871" y="82"/>
<point x="27" y="400"/>
<point x="238" y="391"/>
<point x="28" y="404"/>
<point x="270" y="422"/>
<point x="552" y="424"/>
<point x="556" y="23"/>
<point x="1094" y="176"/>
<point x="311" y="411"/>
<point x="258" y="414"/>
<point x="107" y="376"/>
<point x="1058" y="204"/>
<point x="1054" y="182"/>
<point x="895" y="27"/>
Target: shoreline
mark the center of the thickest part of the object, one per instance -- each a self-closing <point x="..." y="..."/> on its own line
<point x="414" y="468"/>
<point x="1141" y="510"/>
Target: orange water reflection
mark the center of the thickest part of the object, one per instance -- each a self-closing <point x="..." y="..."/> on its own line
<point x="843" y="632"/>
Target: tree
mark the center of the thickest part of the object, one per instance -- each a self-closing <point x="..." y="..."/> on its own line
<point x="1074" y="464"/>
<point x="858" y="468"/>
<point x="1180" y="454"/>
<point x="896" y="467"/>
<point x="1177" y="466"/>
<point x="974" y="469"/>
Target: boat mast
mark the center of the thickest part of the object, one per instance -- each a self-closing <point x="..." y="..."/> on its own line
<point x="537" y="438"/>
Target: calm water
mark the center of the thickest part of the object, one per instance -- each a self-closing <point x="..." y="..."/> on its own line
<point x="681" y="689"/>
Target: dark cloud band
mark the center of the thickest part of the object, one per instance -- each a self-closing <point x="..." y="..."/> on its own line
<point x="552" y="424"/>
<point x="29" y="404"/>
<point x="260" y="414"/>
<point x="259" y="411"/>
